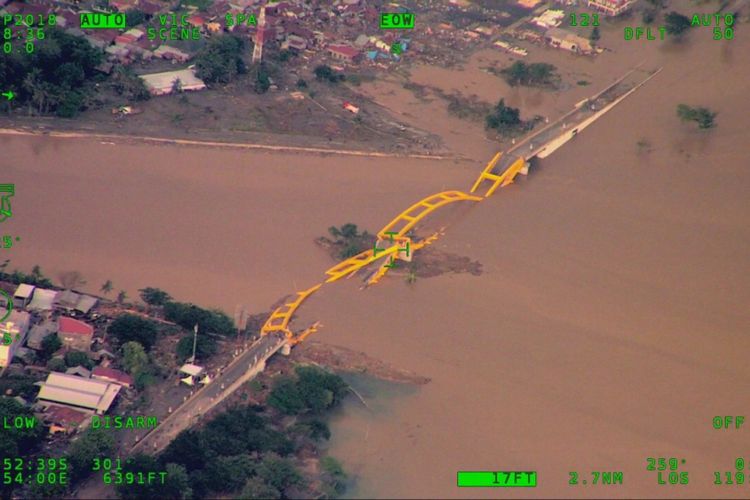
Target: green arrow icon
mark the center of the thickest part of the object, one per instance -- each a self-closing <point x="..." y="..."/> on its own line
<point x="396" y="49"/>
<point x="8" y="95"/>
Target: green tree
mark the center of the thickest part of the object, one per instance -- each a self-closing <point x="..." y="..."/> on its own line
<point x="78" y="358"/>
<point x="255" y="488"/>
<point x="134" y="357"/>
<point x="504" y="119"/>
<point x="230" y="473"/>
<point x="56" y="365"/>
<point x="285" y="396"/>
<point x="333" y="475"/>
<point x="595" y="36"/>
<point x="22" y="441"/>
<point x="205" y="347"/>
<point x="220" y="61"/>
<point x="314" y="429"/>
<point x="17" y="443"/>
<point x="301" y="83"/>
<point x="129" y="327"/>
<point x="122" y="297"/>
<point x="324" y="72"/>
<point x="106" y="287"/>
<point x="70" y="104"/>
<point x="134" y="17"/>
<point x="50" y="345"/>
<point x="534" y="74"/>
<point x="93" y="443"/>
<point x="154" y="296"/>
<point x="278" y="472"/>
<point x="176" y="483"/>
<point x="704" y="117"/>
<point x="319" y="389"/>
<point x="676" y="24"/>
<point x="262" y="82"/>
<point x="208" y="321"/>
<point x="126" y="83"/>
<point x="649" y="15"/>
<point x="47" y="490"/>
<point x="187" y="449"/>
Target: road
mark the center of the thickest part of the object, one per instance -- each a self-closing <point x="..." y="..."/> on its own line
<point x="240" y="370"/>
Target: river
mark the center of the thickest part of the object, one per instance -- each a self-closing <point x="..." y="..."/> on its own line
<point x="610" y="323"/>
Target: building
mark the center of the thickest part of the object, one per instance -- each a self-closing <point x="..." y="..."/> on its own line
<point x="64" y="419"/>
<point x="172" y="53"/>
<point x="344" y="52"/>
<point x="568" y="41"/>
<point x="79" y="371"/>
<point x="163" y="83"/>
<point x="549" y="19"/>
<point x="22" y="295"/>
<point x="13" y="333"/>
<point x="78" y="393"/>
<point x="43" y="300"/>
<point x="75" y="334"/>
<point x="67" y="300"/>
<point x="611" y="7"/>
<point x="294" y="42"/>
<point x="86" y="303"/>
<point x="112" y="375"/>
<point x="39" y="332"/>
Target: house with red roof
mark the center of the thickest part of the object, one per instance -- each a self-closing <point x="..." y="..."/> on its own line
<point x="344" y="52"/>
<point x="196" y="20"/>
<point x="112" y="375"/>
<point x="75" y="334"/>
<point x="64" y="419"/>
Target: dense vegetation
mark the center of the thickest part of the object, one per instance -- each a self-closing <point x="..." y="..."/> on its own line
<point x="324" y="72"/>
<point x="189" y="315"/>
<point x="242" y="450"/>
<point x="505" y="119"/>
<point x="311" y="390"/>
<point x="36" y="277"/>
<point x="57" y="77"/>
<point x="220" y="61"/>
<point x="154" y="296"/>
<point x="129" y="327"/>
<point x="349" y="240"/>
<point x="532" y="75"/>
<point x="704" y="117"/>
<point x="676" y="24"/>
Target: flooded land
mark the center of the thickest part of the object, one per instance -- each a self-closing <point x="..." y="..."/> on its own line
<point x="609" y="323"/>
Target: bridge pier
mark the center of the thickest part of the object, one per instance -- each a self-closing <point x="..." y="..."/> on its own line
<point x="286" y="349"/>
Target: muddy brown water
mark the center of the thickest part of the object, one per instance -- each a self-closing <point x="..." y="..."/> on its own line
<point x="610" y="323"/>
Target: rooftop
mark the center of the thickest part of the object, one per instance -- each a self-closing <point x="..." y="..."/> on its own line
<point x="24" y="291"/>
<point x="70" y="325"/>
<point x="77" y="391"/>
<point x="112" y="374"/>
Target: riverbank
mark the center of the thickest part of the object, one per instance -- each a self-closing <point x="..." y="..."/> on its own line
<point x="45" y="131"/>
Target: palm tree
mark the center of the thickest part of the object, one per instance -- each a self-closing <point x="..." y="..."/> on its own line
<point x="106" y="287"/>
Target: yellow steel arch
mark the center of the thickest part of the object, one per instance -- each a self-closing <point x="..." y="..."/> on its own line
<point x="354" y="264"/>
<point x="487" y="172"/>
<point x="398" y="228"/>
<point x="499" y="180"/>
<point x="387" y="265"/>
<point x="407" y="219"/>
<point x="279" y="319"/>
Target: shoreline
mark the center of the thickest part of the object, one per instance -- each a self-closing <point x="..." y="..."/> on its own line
<point x="220" y="144"/>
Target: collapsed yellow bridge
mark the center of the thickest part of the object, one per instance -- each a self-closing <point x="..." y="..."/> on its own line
<point x="394" y="242"/>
